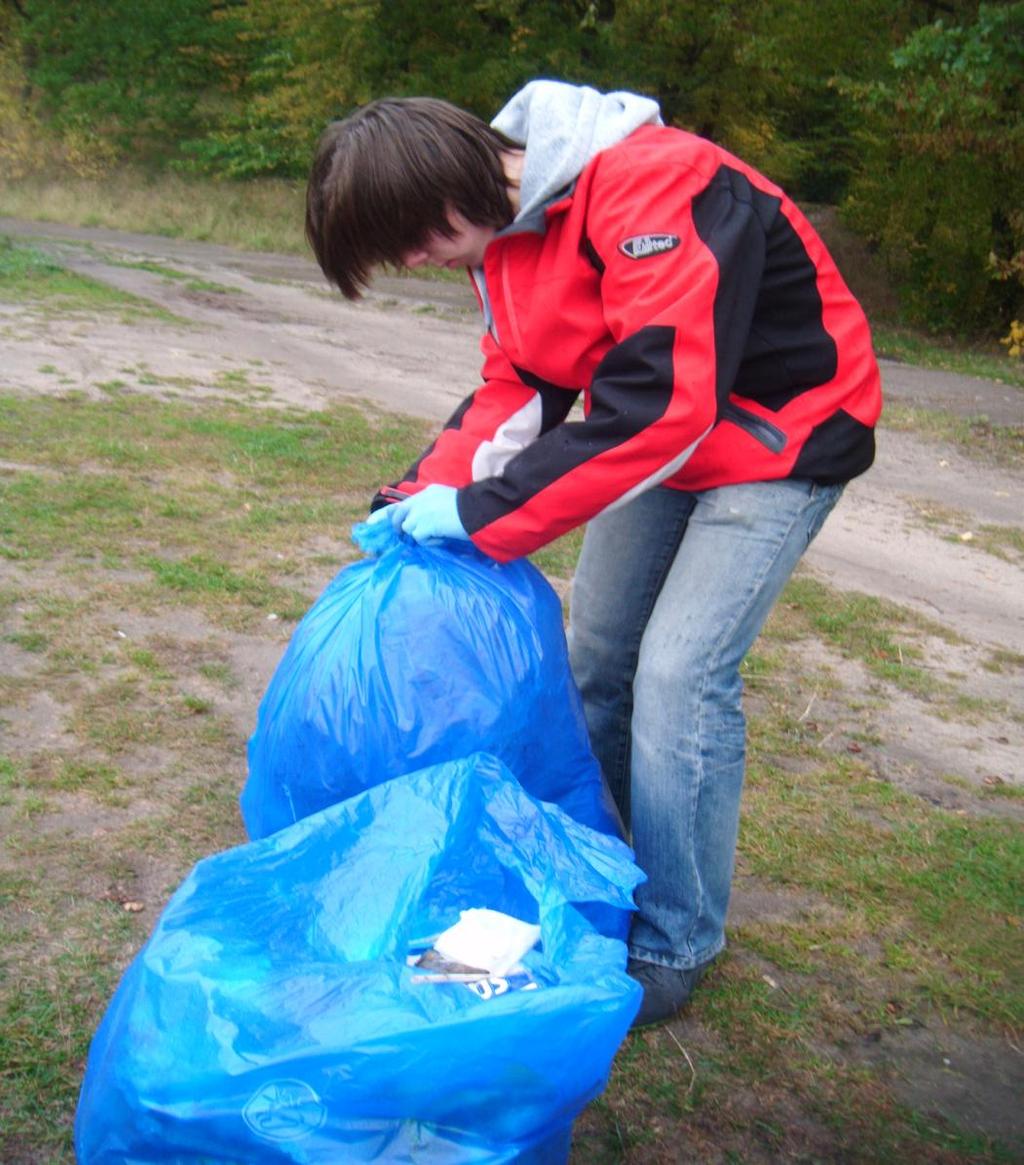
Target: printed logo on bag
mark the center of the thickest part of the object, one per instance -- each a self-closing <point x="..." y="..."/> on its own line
<point x="520" y="980"/>
<point x="644" y="246"/>
<point x="284" y="1110"/>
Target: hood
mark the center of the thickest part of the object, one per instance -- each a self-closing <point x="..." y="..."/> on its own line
<point x="562" y="127"/>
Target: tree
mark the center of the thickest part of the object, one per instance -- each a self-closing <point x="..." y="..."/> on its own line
<point x="940" y="191"/>
<point x="18" y="131"/>
<point x="315" y="60"/>
<point x="131" y="73"/>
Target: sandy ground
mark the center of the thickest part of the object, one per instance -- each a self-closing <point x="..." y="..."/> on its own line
<point x="412" y="346"/>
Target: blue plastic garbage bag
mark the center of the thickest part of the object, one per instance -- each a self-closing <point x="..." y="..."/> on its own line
<point x="272" y="1016"/>
<point x="414" y="657"/>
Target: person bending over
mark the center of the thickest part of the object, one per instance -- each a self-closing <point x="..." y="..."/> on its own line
<point x="729" y="391"/>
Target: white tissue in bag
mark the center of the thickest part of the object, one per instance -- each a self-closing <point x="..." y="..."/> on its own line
<point x="487" y="939"/>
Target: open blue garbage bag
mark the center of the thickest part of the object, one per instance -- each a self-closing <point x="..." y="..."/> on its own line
<point x="414" y="657"/>
<point x="272" y="1016"/>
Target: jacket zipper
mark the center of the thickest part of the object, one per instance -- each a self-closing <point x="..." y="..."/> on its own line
<point x="769" y="435"/>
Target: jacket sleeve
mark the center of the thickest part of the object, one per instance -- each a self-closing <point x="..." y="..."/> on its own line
<point x="682" y="252"/>
<point x="508" y="412"/>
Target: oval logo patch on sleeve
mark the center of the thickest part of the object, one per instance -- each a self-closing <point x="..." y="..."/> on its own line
<point x="644" y="246"/>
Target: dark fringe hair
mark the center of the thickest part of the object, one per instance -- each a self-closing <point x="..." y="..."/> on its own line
<point x="385" y="178"/>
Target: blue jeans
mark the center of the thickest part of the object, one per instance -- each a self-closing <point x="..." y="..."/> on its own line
<point x="670" y="592"/>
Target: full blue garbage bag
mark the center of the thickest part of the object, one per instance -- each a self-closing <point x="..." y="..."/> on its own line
<point x="414" y="657"/>
<point x="272" y="1016"/>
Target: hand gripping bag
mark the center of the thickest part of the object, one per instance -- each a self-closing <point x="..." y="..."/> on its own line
<point x="272" y="1016"/>
<point x="416" y="656"/>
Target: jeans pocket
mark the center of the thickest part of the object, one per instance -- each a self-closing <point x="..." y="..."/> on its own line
<point x="823" y="501"/>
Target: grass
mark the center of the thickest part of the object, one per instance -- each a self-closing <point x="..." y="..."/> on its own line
<point x="936" y="893"/>
<point x="885" y="637"/>
<point x="141" y="495"/>
<point x="151" y="549"/>
<point x="173" y="275"/>
<point x="29" y="276"/>
<point x="146" y="540"/>
<point x="140" y="523"/>
<point x="974" y="436"/>
<point x="260" y="216"/>
<point x="1004" y="542"/>
<point x="984" y="360"/>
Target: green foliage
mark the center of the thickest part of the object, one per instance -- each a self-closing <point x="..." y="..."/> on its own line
<point x="805" y="109"/>
<point x="738" y="73"/>
<point x="944" y="168"/>
<point x="244" y="87"/>
<point x="312" y="62"/>
<point x="131" y="73"/>
<point x="918" y="121"/>
<point x="16" y="128"/>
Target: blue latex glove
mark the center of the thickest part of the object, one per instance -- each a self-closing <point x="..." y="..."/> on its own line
<point x="428" y="515"/>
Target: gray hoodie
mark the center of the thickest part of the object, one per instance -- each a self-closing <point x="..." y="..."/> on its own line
<point x="562" y="127"/>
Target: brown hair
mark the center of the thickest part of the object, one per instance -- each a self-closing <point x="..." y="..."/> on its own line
<point x="385" y="178"/>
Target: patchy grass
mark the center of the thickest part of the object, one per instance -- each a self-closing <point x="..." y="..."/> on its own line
<point x="173" y="275"/>
<point x="558" y="559"/>
<point x="975" y="436"/>
<point x="144" y="545"/>
<point x="136" y="479"/>
<point x="884" y="636"/>
<point x="1005" y="542"/>
<point x="1002" y="660"/>
<point x="939" y="894"/>
<point x="236" y="380"/>
<point x="909" y="347"/>
<point x="27" y="275"/>
<point x="126" y="511"/>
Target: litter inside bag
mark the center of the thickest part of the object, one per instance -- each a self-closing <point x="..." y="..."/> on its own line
<point x="273" y="1015"/>
<point x="415" y="657"/>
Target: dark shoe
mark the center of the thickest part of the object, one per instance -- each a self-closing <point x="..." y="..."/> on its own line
<point x="667" y="990"/>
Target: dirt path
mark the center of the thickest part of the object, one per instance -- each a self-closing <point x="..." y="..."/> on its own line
<point x="412" y="346"/>
<point x="268" y="327"/>
<point x="265" y="329"/>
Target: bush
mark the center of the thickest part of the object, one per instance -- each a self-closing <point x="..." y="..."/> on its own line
<point x="943" y="171"/>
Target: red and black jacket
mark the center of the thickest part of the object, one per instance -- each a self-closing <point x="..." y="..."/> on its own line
<point x="700" y="315"/>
